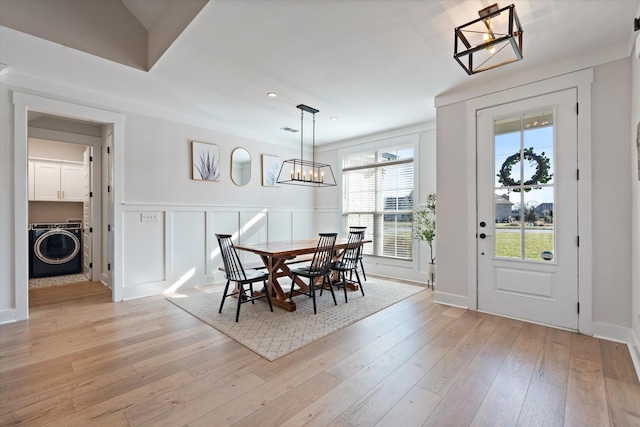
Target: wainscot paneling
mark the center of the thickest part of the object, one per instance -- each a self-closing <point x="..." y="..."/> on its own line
<point x="188" y="250"/>
<point x="144" y="249"/>
<point x="280" y="226"/>
<point x="180" y="251"/>
<point x="302" y="227"/>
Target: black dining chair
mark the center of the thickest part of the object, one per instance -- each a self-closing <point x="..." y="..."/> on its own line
<point x="348" y="262"/>
<point x="320" y="267"/>
<point x="234" y="272"/>
<point x="363" y="229"/>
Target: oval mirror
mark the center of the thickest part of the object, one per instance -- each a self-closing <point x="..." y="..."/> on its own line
<point x="240" y="167"/>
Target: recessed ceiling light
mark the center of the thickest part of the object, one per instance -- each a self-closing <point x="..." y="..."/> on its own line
<point x="272" y="94"/>
<point x="334" y="118"/>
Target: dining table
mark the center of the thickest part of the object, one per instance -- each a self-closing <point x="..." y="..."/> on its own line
<point x="278" y="256"/>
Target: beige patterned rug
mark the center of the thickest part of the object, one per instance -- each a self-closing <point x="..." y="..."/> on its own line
<point x="273" y="335"/>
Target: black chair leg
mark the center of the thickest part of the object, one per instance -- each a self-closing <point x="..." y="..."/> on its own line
<point x="240" y="295"/>
<point x="312" y="287"/>
<point x="344" y="285"/>
<point x="359" y="282"/>
<point x="251" y="293"/>
<point x="293" y="284"/>
<point x="224" y="295"/>
<point x="333" y="295"/>
<point x="362" y="268"/>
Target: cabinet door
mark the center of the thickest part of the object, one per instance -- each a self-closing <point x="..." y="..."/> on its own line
<point x="46" y="181"/>
<point x="72" y="183"/>
<point x="32" y="178"/>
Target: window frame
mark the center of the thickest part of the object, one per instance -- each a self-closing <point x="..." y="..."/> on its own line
<point x="407" y="141"/>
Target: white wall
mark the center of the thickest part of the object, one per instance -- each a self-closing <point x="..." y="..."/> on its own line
<point x="611" y="201"/>
<point x="453" y="202"/>
<point x="635" y="212"/>
<point x="611" y="193"/>
<point x="7" y="252"/>
<point x="44" y="149"/>
<point x="178" y="251"/>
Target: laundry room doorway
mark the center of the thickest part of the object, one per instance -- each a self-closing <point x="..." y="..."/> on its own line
<point x="112" y="158"/>
<point x="64" y="201"/>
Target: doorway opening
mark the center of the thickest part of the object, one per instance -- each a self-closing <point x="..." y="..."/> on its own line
<point x="64" y="200"/>
<point x="112" y="134"/>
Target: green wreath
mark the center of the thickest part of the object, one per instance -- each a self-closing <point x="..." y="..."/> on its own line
<point x="541" y="176"/>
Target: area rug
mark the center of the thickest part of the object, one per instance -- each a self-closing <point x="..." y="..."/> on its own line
<point x="272" y="335"/>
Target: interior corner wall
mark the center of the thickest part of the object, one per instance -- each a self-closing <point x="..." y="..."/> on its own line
<point x="611" y="194"/>
<point x="7" y="254"/>
<point x="611" y="201"/>
<point x="453" y="204"/>
<point x="635" y="197"/>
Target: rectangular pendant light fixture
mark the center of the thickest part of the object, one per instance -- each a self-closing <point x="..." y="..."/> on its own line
<point x="308" y="173"/>
<point x="490" y="41"/>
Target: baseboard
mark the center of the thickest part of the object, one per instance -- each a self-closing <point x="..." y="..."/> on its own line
<point x="451" y="299"/>
<point x="7" y="316"/>
<point x="611" y="332"/>
<point x="634" y="350"/>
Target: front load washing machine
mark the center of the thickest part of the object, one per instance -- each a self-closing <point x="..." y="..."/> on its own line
<point x="55" y="249"/>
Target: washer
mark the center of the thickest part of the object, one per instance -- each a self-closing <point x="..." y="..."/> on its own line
<point x="55" y="249"/>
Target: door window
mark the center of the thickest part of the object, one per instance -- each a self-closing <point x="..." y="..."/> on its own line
<point x="524" y="187"/>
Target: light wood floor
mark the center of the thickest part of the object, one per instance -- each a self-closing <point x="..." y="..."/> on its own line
<point x="82" y="360"/>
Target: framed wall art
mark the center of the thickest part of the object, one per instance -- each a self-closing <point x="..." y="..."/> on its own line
<point x="205" y="161"/>
<point x="270" y="170"/>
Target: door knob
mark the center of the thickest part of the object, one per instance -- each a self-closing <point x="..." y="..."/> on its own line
<point x="483" y="236"/>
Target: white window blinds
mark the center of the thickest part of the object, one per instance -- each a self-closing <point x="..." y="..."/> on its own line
<point x="378" y="194"/>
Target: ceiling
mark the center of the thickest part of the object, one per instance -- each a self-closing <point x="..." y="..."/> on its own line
<point x="375" y="65"/>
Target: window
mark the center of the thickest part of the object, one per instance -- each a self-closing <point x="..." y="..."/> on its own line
<point x="378" y="193"/>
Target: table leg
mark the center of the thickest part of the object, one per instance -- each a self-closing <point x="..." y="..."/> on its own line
<point x="279" y="297"/>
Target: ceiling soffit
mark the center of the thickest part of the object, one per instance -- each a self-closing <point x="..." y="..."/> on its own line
<point x="104" y="28"/>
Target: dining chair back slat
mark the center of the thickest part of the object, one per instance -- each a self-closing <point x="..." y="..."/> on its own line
<point x="236" y="273"/>
<point x="360" y="254"/>
<point x="320" y="267"/>
<point x="349" y="262"/>
<point x="351" y="253"/>
<point x="232" y="265"/>
<point x="321" y="262"/>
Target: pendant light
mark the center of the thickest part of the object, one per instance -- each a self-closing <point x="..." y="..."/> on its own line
<point x="490" y="41"/>
<point x="306" y="172"/>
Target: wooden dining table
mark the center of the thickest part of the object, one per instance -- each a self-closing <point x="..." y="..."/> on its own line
<point x="278" y="256"/>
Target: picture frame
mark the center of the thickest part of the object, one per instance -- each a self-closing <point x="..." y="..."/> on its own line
<point x="205" y="161"/>
<point x="270" y="170"/>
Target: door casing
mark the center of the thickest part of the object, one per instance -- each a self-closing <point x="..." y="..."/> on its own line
<point x="23" y="103"/>
<point x="581" y="80"/>
<point x="535" y="290"/>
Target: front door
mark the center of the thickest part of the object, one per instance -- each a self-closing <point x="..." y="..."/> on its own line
<point x="527" y="227"/>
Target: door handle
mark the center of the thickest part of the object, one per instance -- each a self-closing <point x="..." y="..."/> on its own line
<point x="483" y="236"/>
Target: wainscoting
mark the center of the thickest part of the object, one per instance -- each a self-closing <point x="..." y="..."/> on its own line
<point x="167" y="248"/>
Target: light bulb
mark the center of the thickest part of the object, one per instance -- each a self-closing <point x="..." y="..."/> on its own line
<point x="487" y="38"/>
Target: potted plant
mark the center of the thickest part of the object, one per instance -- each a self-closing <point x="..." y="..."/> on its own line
<point x="425" y="228"/>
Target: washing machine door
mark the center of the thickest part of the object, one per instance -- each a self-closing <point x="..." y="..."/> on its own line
<point x="56" y="246"/>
